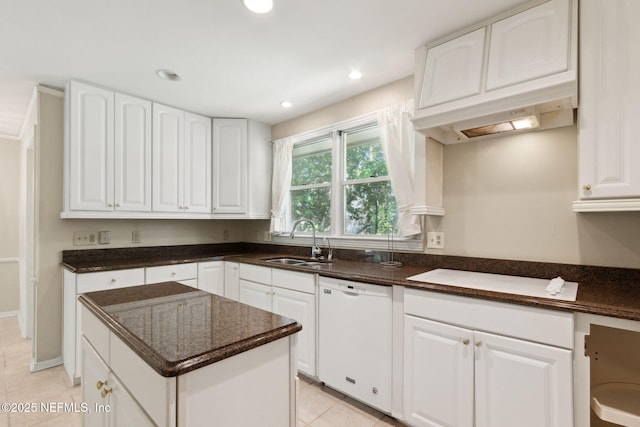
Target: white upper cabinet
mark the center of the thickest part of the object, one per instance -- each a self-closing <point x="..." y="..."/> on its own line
<point x="127" y="157"/>
<point x="132" y="154"/>
<point x="181" y="161"/>
<point x="522" y="59"/>
<point x="89" y="148"/>
<point x="453" y="69"/>
<point x="168" y="152"/>
<point x="529" y="45"/>
<point x="108" y="152"/>
<point x="609" y="151"/>
<point x="230" y="159"/>
<point x="197" y="166"/>
<point x="241" y="169"/>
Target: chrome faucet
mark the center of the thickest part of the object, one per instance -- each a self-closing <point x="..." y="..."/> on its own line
<point x="315" y="250"/>
<point x="330" y="256"/>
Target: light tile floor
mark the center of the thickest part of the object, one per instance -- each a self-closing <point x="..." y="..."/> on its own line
<point x="318" y="406"/>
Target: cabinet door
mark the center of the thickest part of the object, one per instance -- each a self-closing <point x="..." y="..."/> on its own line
<point x="453" y="69"/>
<point x="125" y="411"/>
<point x="95" y="376"/>
<point x="438" y="374"/>
<point x="520" y="383"/>
<point x="132" y="153"/>
<point x="90" y="148"/>
<point x="529" y="45"/>
<point x="301" y="307"/>
<point x="255" y="294"/>
<point x="211" y="277"/>
<point x="609" y="152"/>
<point x="197" y="167"/>
<point x="230" y="166"/>
<point x="168" y="147"/>
<point x="232" y="280"/>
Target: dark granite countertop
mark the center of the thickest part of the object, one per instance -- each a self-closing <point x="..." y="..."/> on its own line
<point x="177" y="329"/>
<point x="616" y="297"/>
<point x="606" y="291"/>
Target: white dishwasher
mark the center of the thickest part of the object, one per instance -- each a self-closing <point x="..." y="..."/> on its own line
<point x="355" y="344"/>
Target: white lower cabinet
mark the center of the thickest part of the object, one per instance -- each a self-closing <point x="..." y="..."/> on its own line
<point x="438" y="387"/>
<point x="300" y="306"/>
<point x="287" y="293"/>
<point x="211" y="277"/>
<point x="232" y="280"/>
<point x="108" y="401"/>
<point x="460" y="376"/>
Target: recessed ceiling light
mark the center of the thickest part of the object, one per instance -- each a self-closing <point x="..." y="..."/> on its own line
<point x="286" y="104"/>
<point x="355" y="75"/>
<point x="258" y="6"/>
<point x="167" y="75"/>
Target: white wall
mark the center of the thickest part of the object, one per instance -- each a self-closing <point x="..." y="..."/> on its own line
<point x="9" y="232"/>
<point x="508" y="197"/>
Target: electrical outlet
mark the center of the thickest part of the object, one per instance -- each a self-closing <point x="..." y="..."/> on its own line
<point x="435" y="240"/>
<point x="136" y="236"/>
<point x="225" y="235"/>
<point x="83" y="238"/>
<point x="267" y="236"/>
<point x="104" y="237"/>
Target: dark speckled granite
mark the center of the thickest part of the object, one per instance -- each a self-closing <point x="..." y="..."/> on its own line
<point x="177" y="329"/>
<point x="91" y="260"/>
<point x="606" y="291"/>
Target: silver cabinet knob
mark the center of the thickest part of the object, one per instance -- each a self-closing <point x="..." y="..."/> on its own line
<point x="586" y="187"/>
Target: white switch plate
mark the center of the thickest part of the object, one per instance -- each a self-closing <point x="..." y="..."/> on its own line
<point x="435" y="240"/>
<point x="136" y="236"/>
<point x="104" y="237"/>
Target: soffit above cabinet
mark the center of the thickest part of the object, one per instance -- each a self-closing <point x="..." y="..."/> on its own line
<point x="520" y="63"/>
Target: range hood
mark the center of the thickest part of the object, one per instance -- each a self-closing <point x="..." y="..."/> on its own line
<point x="515" y="72"/>
<point x="518" y="120"/>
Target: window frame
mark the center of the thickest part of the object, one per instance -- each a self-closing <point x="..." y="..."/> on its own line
<point x="338" y="183"/>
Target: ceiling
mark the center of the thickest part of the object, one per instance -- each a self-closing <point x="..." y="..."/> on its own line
<point x="233" y="63"/>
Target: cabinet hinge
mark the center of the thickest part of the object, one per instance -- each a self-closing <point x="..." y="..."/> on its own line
<point x="586" y="346"/>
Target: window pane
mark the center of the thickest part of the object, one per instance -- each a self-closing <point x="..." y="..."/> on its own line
<point x="365" y="158"/>
<point x="311" y="162"/>
<point x="313" y="204"/>
<point x="370" y="209"/>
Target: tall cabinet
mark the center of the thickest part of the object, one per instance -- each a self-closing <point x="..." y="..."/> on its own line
<point x="609" y="152"/>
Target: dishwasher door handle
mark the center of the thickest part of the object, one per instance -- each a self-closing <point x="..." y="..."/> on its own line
<point x="351" y="294"/>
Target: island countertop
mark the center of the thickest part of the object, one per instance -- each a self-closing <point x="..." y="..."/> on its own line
<point x="177" y="329"/>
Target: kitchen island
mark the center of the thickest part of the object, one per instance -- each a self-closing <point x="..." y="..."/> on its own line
<point x="168" y="354"/>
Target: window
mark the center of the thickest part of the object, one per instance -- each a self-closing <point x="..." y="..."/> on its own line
<point x="370" y="207"/>
<point x="311" y="183"/>
<point x="340" y="182"/>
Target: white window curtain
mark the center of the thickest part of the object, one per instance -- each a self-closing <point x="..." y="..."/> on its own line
<point x="398" y="142"/>
<point x="280" y="184"/>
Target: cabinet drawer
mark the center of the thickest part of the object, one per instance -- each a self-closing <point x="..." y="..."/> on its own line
<point x="95" y="332"/>
<point x="170" y="273"/>
<point x="90" y="282"/>
<point x="294" y="280"/>
<point x="530" y="323"/>
<point x="255" y="273"/>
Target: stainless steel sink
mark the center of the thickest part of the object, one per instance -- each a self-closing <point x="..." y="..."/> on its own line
<point x="296" y="262"/>
<point x="286" y="261"/>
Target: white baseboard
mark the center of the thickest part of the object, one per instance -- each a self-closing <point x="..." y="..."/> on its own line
<point x="9" y="313"/>
<point x="46" y="364"/>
